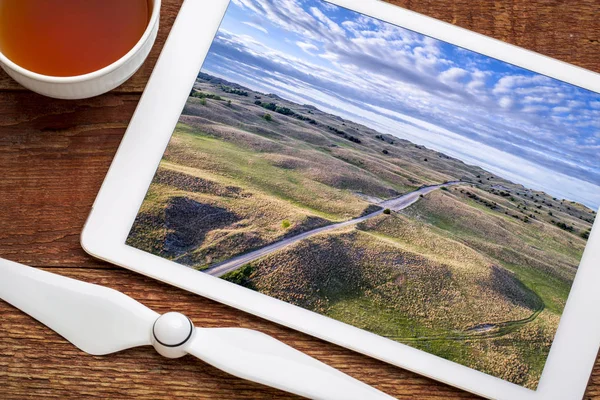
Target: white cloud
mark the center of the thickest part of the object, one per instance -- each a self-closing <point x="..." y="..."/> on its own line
<point x="453" y="75"/>
<point x="287" y="14"/>
<point x="561" y="110"/>
<point x="505" y="84"/>
<point x="535" y="109"/>
<point x="256" y="26"/>
<point x="307" y="47"/>
<point x="533" y="99"/>
<point x="478" y="84"/>
<point x="335" y="28"/>
<point x="508" y="83"/>
<point x="575" y="104"/>
<point x="506" y="102"/>
<point x="329" y="6"/>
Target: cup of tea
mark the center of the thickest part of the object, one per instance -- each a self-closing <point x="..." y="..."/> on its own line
<point x="75" y="49"/>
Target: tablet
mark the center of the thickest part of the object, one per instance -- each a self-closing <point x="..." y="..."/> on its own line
<point x="375" y="178"/>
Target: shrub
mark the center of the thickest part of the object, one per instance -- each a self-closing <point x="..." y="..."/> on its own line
<point x="387" y="211"/>
<point x="203" y="101"/>
<point x="565" y="227"/>
<point x="229" y="103"/>
<point x="303" y="118"/>
<point x="231" y="90"/>
<point x="286" y="224"/>
<point x="201" y="95"/>
<point x="586" y="234"/>
<point x="284" y="111"/>
<point x="241" y="276"/>
<point x="336" y="130"/>
<point x="270" y="106"/>
<point x="268" y="117"/>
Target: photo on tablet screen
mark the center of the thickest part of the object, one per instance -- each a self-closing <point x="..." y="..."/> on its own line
<point x="417" y="190"/>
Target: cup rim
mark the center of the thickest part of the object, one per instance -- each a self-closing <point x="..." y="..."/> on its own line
<point x="94" y="74"/>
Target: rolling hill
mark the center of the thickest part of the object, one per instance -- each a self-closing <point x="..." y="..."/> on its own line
<point x="477" y="273"/>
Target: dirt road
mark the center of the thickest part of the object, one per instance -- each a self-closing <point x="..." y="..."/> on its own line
<point x="396" y="204"/>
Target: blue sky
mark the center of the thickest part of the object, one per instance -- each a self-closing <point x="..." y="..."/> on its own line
<point x="525" y="127"/>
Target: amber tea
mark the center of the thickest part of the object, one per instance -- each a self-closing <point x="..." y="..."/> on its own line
<point x="70" y="37"/>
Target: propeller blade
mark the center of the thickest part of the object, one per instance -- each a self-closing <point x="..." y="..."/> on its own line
<point x="96" y="319"/>
<point x="99" y="321"/>
<point x="257" y="357"/>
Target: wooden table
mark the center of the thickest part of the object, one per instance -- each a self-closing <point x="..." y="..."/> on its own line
<point x="53" y="158"/>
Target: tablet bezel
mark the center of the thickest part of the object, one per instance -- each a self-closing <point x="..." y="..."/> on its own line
<point x="577" y="341"/>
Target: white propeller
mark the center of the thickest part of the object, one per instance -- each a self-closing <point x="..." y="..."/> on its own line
<point x="100" y="321"/>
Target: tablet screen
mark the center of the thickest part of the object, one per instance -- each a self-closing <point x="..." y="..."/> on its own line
<point x="397" y="183"/>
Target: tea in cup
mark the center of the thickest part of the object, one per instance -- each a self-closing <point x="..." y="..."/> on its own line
<point x="75" y="48"/>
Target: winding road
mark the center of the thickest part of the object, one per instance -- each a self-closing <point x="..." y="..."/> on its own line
<point x="395" y="204"/>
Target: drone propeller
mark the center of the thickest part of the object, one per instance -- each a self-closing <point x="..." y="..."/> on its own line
<point x="100" y="321"/>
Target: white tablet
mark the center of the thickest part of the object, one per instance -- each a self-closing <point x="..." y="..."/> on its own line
<point x="375" y="178"/>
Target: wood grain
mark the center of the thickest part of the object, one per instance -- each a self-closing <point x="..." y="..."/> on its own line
<point x="53" y="158"/>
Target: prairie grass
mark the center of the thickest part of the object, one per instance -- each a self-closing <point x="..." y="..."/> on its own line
<point x="253" y="171"/>
<point x="414" y="294"/>
<point x="478" y="273"/>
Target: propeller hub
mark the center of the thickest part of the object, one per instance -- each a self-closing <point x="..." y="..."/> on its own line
<point x="170" y="334"/>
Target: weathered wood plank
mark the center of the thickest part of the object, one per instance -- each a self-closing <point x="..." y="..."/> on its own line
<point x="53" y="158"/>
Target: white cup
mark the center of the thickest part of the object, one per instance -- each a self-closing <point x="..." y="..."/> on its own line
<point x="94" y="83"/>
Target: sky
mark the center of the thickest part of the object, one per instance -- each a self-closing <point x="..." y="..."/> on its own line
<point x="522" y="126"/>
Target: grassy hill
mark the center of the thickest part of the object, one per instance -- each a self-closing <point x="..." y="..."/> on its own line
<point x="478" y="273"/>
